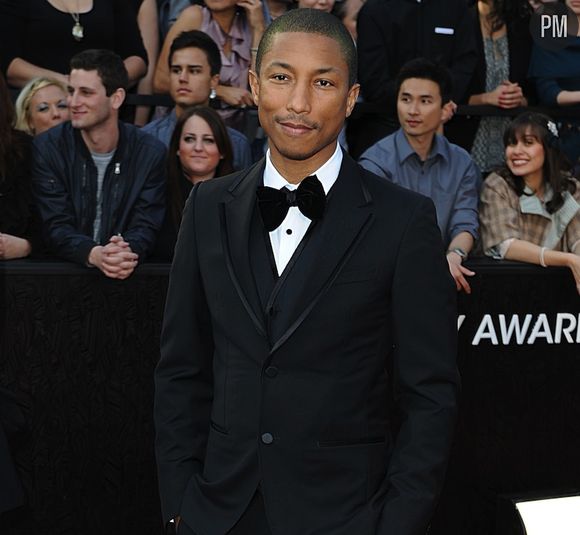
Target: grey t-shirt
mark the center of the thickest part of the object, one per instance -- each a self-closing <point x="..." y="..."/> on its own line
<point x="101" y="160"/>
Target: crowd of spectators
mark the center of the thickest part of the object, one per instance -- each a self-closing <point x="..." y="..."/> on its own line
<point x="102" y="192"/>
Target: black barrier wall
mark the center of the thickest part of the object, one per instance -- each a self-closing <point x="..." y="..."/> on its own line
<point x="78" y="350"/>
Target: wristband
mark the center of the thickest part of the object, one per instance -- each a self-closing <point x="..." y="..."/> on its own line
<point x="459" y="251"/>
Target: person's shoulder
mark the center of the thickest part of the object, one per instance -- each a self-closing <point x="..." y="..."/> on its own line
<point x="236" y="135"/>
<point x="190" y="15"/>
<point x="61" y="135"/>
<point x="383" y="149"/>
<point x="152" y="126"/>
<point x="385" y="191"/>
<point x="496" y="182"/>
<point x="138" y="137"/>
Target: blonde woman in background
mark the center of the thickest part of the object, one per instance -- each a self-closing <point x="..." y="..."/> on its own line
<point x="41" y="104"/>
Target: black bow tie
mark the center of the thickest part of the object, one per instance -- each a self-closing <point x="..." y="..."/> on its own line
<point x="274" y="203"/>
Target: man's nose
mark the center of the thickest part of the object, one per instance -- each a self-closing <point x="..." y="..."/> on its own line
<point x="299" y="99"/>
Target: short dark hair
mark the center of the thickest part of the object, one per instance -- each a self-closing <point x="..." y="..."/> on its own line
<point x="109" y="67"/>
<point x="175" y="193"/>
<point x="311" y="21"/>
<point x="201" y="40"/>
<point x="426" y="69"/>
<point x="556" y="166"/>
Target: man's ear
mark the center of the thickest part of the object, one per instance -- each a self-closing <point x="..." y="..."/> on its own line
<point x="255" y="86"/>
<point x="117" y="98"/>
<point x="351" y="98"/>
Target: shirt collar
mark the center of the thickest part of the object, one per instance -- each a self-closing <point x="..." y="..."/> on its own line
<point x="327" y="173"/>
<point x="404" y="149"/>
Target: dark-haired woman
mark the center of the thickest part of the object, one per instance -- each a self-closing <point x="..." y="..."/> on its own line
<point x="500" y="78"/>
<point x="19" y="228"/>
<point x="200" y="149"/>
<point x="529" y="210"/>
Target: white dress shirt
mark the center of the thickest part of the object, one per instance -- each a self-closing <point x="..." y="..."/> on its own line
<point x="286" y="238"/>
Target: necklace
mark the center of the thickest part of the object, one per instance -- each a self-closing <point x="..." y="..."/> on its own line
<point x="78" y="32"/>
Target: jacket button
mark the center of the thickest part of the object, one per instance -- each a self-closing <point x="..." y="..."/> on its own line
<point x="267" y="438"/>
<point x="271" y="371"/>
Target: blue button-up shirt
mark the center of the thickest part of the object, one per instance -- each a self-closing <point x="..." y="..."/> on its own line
<point x="448" y="176"/>
<point x="163" y="128"/>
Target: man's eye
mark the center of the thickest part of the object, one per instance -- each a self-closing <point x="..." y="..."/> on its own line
<point x="175" y="70"/>
<point x="280" y="77"/>
<point x="325" y="83"/>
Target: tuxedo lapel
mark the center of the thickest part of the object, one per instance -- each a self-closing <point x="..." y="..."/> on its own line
<point x="236" y="219"/>
<point x="333" y="240"/>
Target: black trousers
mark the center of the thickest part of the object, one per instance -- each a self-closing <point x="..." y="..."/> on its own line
<point x="252" y="522"/>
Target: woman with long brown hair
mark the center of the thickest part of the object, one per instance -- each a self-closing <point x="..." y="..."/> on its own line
<point x="200" y="149"/>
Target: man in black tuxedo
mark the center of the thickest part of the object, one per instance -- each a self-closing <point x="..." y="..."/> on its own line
<point x="293" y="317"/>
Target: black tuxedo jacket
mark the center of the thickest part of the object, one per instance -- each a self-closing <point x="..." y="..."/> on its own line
<point x="285" y="382"/>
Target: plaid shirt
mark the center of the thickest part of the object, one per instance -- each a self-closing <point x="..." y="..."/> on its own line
<point x="504" y="216"/>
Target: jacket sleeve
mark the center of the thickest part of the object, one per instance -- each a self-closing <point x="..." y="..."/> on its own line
<point x="375" y="74"/>
<point x="426" y="380"/>
<point x="463" y="62"/>
<point x="56" y="207"/>
<point x="184" y="376"/>
<point x="543" y="71"/>
<point x="148" y="210"/>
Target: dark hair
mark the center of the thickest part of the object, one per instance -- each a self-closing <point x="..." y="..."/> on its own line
<point x="11" y="146"/>
<point x="175" y="191"/>
<point x="426" y="69"/>
<point x="109" y="67"/>
<point x="507" y="11"/>
<point x="311" y="21"/>
<point x="201" y="40"/>
<point x="555" y="168"/>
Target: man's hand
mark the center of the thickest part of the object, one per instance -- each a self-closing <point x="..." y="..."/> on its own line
<point x="13" y="247"/>
<point x="448" y="112"/>
<point x="254" y="13"/>
<point x="115" y="260"/>
<point x="458" y="272"/>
